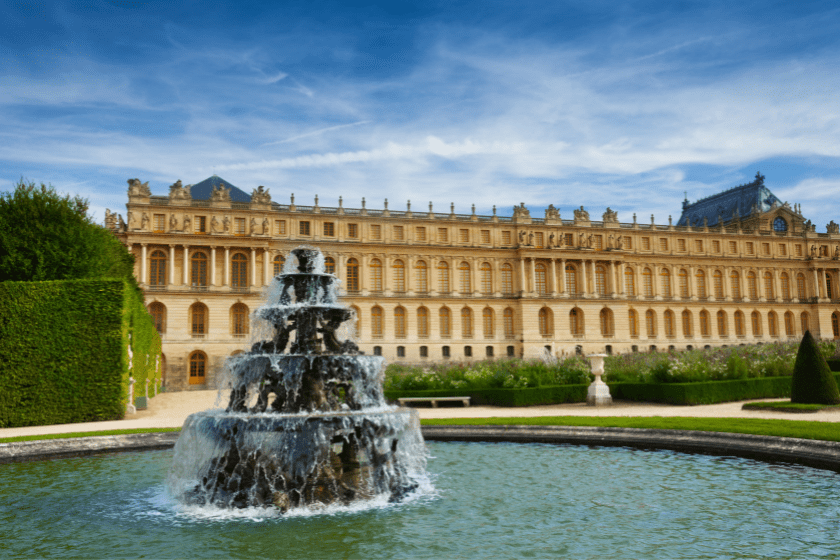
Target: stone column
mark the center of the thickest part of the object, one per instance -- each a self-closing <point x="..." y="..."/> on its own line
<point x="612" y="279"/>
<point x="817" y="290"/>
<point x="409" y="273"/>
<point x="226" y="279"/>
<point x="476" y="287"/>
<point x="533" y="275"/>
<point x="171" y="265"/>
<point x="253" y="266"/>
<point x="432" y="278"/>
<point x="655" y="282"/>
<point x="143" y="263"/>
<point x="620" y="279"/>
<point x="186" y="265"/>
<point x="266" y="264"/>
<point x="212" y="266"/>
<point x="363" y="271"/>
<point x="563" y="277"/>
<point x="776" y="292"/>
<point x="553" y="276"/>
<point x="522" y="289"/>
<point x="759" y="284"/>
<point x="584" y="288"/>
<point x="692" y="292"/>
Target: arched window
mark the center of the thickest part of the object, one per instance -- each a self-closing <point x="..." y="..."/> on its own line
<point x="239" y="320"/>
<point x="571" y="279"/>
<point x="376" y="326"/>
<point x="421" y="274"/>
<point x="647" y="282"/>
<point x="768" y="286"/>
<point x="789" y="330"/>
<point x="539" y="279"/>
<point x="488" y="321"/>
<point x="683" y="275"/>
<point x="669" y="323"/>
<point x="576" y="321"/>
<point x="805" y="321"/>
<point x="686" y="324"/>
<point x="486" y="279"/>
<point x="772" y="324"/>
<point x="650" y="323"/>
<point x="466" y="322"/>
<point x="198" y="263"/>
<point x="718" y="282"/>
<point x="752" y="285"/>
<point x="739" y="324"/>
<point x="198" y="367"/>
<point x="445" y="322"/>
<point x="705" y="328"/>
<point x="443" y="277"/>
<point x="399" y="322"/>
<point x="755" y="319"/>
<point x="634" y="322"/>
<point x="800" y="287"/>
<point x="507" y="279"/>
<point x="629" y="281"/>
<point x="835" y="325"/>
<point x="779" y="224"/>
<point x="352" y="275"/>
<point x="735" y="282"/>
<point x="157" y="269"/>
<point x="508" y="320"/>
<point x="158" y="312"/>
<point x="278" y="261"/>
<point x="198" y="320"/>
<point x="722" y="323"/>
<point x="329" y="265"/>
<point x="465" y="286"/>
<point x="239" y="271"/>
<point x="700" y="280"/>
<point x="785" y="286"/>
<point x="423" y="323"/>
<point x="399" y="276"/>
<point x="606" y="317"/>
<point x="545" y="322"/>
<point x="600" y="280"/>
<point x="665" y="275"/>
<point x="376" y="275"/>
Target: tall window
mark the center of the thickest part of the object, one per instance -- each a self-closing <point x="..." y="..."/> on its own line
<point x="739" y="324"/>
<point x="508" y="320"/>
<point x="665" y="275"/>
<point x="445" y="322"/>
<point x="239" y="271"/>
<point x="352" y="275"/>
<point x="571" y="279"/>
<point x="633" y="316"/>
<point x="835" y="325"/>
<point x="544" y="319"/>
<point x="487" y="321"/>
<point x="669" y="323"/>
<point x="768" y="286"/>
<point x="329" y="265"/>
<point x="805" y="321"/>
<point x="785" y="286"/>
<point x="606" y="317"/>
<point x="464" y="274"/>
<point x="239" y="320"/>
<point x="198" y="263"/>
<point x="198" y="320"/>
<point x="789" y="330"/>
<point x="686" y="323"/>
<point x="735" y="281"/>
<point x="705" y="329"/>
<point x="421" y="274"/>
<point x="721" y="322"/>
<point x="576" y="321"/>
<point x="466" y="322"/>
<point x="278" y="261"/>
<point x="399" y="322"/>
<point x="683" y="283"/>
<point x="700" y="280"/>
<point x="600" y="280"/>
<point x="423" y="323"/>
<point x="800" y="287"/>
<point x="755" y="319"/>
<point x="399" y="276"/>
<point x="507" y="279"/>
<point x="718" y="280"/>
<point x="198" y="365"/>
<point x="158" y="312"/>
<point x="828" y="285"/>
<point x="629" y="282"/>
<point x="539" y="276"/>
<point x="443" y="277"/>
<point x="376" y="322"/>
<point x="157" y="270"/>
<point x="376" y="275"/>
<point x="486" y="279"/>
<point x="752" y="285"/>
<point x="650" y="323"/>
<point x="772" y="324"/>
<point x="239" y="226"/>
<point x="647" y="282"/>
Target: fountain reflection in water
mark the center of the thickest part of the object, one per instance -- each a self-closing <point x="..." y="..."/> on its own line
<point x="319" y="430"/>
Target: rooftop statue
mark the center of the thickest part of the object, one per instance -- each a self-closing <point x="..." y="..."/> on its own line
<point x="610" y="216"/>
<point x="179" y="192"/>
<point x="581" y="214"/>
<point x="260" y="196"/>
<point x="220" y="194"/>
<point x="136" y="188"/>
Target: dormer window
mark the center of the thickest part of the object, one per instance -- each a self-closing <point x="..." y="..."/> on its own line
<point x="779" y="224"/>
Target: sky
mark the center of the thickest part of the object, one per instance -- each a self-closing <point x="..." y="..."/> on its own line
<point x="599" y="103"/>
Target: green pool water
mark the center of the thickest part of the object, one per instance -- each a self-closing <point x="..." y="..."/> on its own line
<point x="483" y="501"/>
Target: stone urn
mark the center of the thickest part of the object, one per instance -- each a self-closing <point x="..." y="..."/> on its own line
<point x="598" y="393"/>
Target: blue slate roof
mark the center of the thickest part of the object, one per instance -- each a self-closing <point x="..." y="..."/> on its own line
<point x="203" y="190"/>
<point x="737" y="202"/>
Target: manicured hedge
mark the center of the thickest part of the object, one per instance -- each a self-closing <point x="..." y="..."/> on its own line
<point x="530" y="396"/>
<point x="64" y="350"/>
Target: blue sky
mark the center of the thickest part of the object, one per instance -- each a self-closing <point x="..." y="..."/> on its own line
<point x="620" y="104"/>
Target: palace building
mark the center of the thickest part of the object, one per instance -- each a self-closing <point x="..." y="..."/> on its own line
<point x="738" y="267"/>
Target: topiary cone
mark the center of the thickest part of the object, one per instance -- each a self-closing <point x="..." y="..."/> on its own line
<point x="813" y="382"/>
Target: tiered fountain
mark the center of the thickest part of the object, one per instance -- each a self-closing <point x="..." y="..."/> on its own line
<point x="305" y="428"/>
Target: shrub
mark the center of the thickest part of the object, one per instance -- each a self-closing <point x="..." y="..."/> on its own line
<point x="812" y="382"/>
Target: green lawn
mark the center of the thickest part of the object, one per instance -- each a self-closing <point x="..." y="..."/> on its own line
<point x="88" y="434"/>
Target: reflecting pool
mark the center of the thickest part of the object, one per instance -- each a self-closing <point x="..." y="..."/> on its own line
<point x="484" y="501"/>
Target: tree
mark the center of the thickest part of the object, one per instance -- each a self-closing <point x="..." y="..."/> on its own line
<point x="813" y="382"/>
<point x="46" y="236"/>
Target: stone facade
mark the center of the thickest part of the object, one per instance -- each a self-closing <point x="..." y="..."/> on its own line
<point x="432" y="286"/>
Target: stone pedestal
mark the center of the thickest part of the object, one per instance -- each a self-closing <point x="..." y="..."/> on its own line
<point x="598" y="393"/>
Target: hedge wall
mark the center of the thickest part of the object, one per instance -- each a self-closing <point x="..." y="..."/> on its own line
<point x="64" y="354"/>
<point x="530" y="396"/>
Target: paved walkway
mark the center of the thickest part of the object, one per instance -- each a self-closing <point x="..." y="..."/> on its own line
<point x="169" y="410"/>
